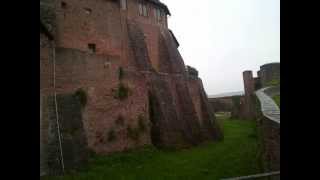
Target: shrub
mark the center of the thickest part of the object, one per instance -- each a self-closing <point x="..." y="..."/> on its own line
<point x="133" y="133"/>
<point x="122" y="92"/>
<point x="111" y="135"/>
<point x="120" y="120"/>
<point x="82" y="96"/>
<point x="141" y="124"/>
<point x="121" y="73"/>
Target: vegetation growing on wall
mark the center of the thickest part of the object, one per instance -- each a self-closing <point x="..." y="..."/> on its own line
<point x="111" y="135"/>
<point x="154" y="115"/>
<point x="121" y="73"/>
<point x="274" y="82"/>
<point x="82" y="96"/>
<point x="120" y="120"/>
<point x="277" y="100"/>
<point x="236" y="101"/>
<point x="122" y="92"/>
<point x="141" y="123"/>
<point x="133" y="133"/>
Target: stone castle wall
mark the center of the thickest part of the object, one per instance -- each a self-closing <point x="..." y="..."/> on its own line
<point x="224" y="104"/>
<point x="135" y="84"/>
<point x="268" y="73"/>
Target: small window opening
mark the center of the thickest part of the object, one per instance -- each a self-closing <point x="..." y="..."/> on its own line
<point x="143" y="11"/>
<point x="92" y="48"/>
<point x="140" y="9"/>
<point x="63" y="5"/>
<point x="123" y="4"/>
<point x="158" y="14"/>
<point x="88" y="10"/>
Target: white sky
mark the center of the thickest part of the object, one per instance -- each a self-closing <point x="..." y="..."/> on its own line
<point x="223" y="38"/>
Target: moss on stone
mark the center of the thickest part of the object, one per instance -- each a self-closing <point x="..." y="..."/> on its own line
<point x="120" y="120"/>
<point x="141" y="123"/>
<point x="276" y="99"/>
<point x="122" y="92"/>
<point x="121" y="73"/>
<point x="133" y="133"/>
<point x="274" y="82"/>
<point x="111" y="135"/>
<point x="82" y="96"/>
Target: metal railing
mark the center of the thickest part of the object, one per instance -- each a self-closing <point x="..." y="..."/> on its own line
<point x="256" y="176"/>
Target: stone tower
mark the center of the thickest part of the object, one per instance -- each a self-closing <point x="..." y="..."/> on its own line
<point x="249" y="88"/>
<point x="270" y="74"/>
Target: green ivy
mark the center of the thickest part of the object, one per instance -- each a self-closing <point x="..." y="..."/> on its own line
<point x="133" y="133"/>
<point x="82" y="96"/>
<point x="122" y="92"/>
<point x="120" y="120"/>
<point x="111" y="135"/>
<point x="274" y="82"/>
<point x="121" y="73"/>
<point x="141" y="123"/>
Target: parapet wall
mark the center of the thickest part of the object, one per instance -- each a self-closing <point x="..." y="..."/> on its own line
<point x="268" y="116"/>
<point x="205" y="111"/>
<point x="223" y="104"/>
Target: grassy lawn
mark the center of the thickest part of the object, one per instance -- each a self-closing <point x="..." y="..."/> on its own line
<point x="277" y="100"/>
<point x="237" y="155"/>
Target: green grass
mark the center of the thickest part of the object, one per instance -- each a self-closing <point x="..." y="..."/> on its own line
<point x="277" y="100"/>
<point x="237" y="155"/>
<point x="274" y="82"/>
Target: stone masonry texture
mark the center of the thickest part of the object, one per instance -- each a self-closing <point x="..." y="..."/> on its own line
<point x="269" y="72"/>
<point x="135" y="76"/>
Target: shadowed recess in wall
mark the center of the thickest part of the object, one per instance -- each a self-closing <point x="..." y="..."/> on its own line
<point x="139" y="47"/>
<point x="210" y="125"/>
<point x="166" y="129"/>
<point x="189" y="119"/>
<point x="73" y="138"/>
<point x="173" y="56"/>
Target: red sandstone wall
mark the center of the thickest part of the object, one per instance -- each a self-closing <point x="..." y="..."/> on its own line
<point x="76" y="28"/>
<point x="46" y="67"/>
<point x="45" y="81"/>
<point x="98" y="74"/>
<point x="133" y="14"/>
<point x="194" y="90"/>
<point x="104" y="27"/>
<point x="249" y="87"/>
<point x="222" y="104"/>
<point x="209" y="128"/>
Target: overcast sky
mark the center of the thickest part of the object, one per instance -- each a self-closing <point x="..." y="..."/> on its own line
<point x="223" y="38"/>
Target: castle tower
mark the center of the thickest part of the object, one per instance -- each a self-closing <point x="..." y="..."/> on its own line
<point x="249" y="88"/>
<point x="270" y="74"/>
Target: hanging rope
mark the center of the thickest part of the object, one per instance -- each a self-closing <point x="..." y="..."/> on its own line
<point x="56" y="104"/>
